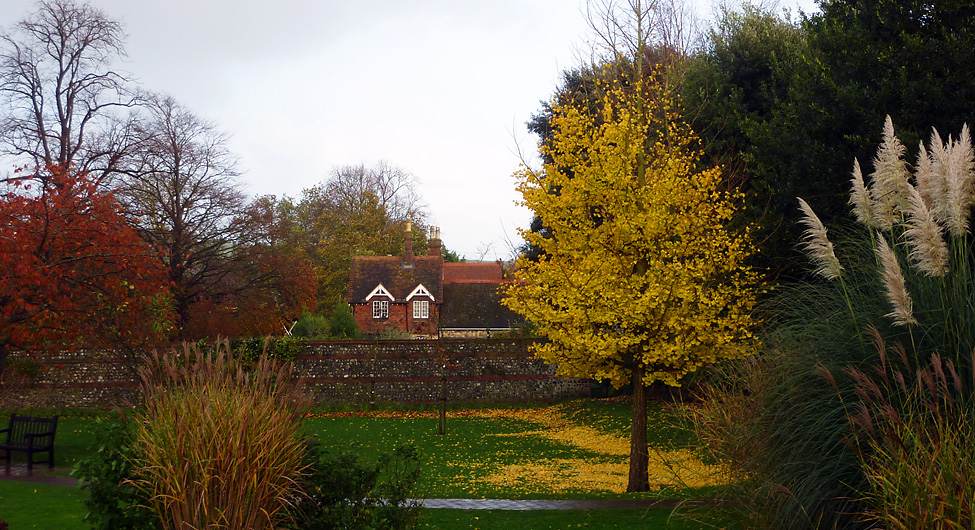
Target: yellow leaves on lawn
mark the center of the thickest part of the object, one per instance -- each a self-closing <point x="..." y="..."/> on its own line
<point x="558" y="475"/>
<point x="604" y="468"/>
<point x="678" y="469"/>
<point x="555" y="426"/>
<point x="607" y="472"/>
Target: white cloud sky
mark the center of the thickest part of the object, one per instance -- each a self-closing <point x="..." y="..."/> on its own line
<point x="440" y="88"/>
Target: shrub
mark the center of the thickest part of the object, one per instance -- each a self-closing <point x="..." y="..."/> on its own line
<point x="17" y="373"/>
<point x="113" y="502"/>
<point x="342" y="324"/>
<point x="311" y="326"/>
<point x="218" y="446"/>
<point x="25" y="367"/>
<point x="249" y="350"/>
<point x="342" y="491"/>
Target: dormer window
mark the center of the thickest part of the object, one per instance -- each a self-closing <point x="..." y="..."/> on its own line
<point x="380" y="309"/>
<point x="380" y="290"/>
<point x="380" y="306"/>
<point x="420" y="291"/>
<point x="421" y="308"/>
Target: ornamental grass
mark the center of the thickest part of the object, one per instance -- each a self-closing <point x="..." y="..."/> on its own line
<point x="219" y="444"/>
<point x="914" y="436"/>
<point x="787" y="421"/>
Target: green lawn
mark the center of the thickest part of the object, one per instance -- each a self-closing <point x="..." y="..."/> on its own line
<point x="42" y="507"/>
<point x="666" y="429"/>
<point x="447" y="469"/>
<point x="28" y="505"/>
<point x="456" y="464"/>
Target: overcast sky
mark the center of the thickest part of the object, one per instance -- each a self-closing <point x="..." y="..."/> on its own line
<point x="440" y="88"/>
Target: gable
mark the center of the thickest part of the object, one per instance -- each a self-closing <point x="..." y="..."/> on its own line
<point x="420" y="291"/>
<point x="380" y="291"/>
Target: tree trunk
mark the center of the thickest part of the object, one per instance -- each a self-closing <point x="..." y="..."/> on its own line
<point x="639" y="455"/>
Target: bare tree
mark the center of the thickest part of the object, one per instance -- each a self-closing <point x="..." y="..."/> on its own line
<point x="721" y="8"/>
<point x="483" y="249"/>
<point x="57" y="80"/>
<point x="395" y="189"/>
<point x="183" y="195"/>
<point x="658" y="31"/>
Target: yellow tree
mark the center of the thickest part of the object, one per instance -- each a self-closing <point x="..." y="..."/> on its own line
<point x="640" y="279"/>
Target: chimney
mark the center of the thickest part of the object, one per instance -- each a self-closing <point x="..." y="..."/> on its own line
<point x="434" y="242"/>
<point x="408" y="246"/>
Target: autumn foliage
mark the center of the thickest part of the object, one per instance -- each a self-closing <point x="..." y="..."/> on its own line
<point x="638" y="265"/>
<point x="72" y="272"/>
<point x="288" y="288"/>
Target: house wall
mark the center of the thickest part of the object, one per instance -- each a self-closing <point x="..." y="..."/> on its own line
<point x="351" y="372"/>
<point x="400" y="319"/>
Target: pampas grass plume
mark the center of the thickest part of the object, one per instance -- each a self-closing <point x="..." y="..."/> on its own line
<point x="929" y="184"/>
<point x="860" y="198"/>
<point x="903" y="309"/>
<point x="928" y="248"/>
<point x="888" y="184"/>
<point x="817" y="245"/>
<point x="959" y="177"/>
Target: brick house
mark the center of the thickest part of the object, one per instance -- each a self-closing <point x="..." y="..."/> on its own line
<point x="426" y="297"/>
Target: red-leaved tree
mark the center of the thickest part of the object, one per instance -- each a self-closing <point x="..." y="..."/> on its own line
<point x="271" y="288"/>
<point x="72" y="272"/>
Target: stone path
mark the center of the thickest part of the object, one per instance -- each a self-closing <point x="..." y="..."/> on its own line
<point x="593" y="504"/>
<point x="43" y="476"/>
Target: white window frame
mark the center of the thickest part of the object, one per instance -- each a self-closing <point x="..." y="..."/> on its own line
<point x="380" y="309"/>
<point x="421" y="309"/>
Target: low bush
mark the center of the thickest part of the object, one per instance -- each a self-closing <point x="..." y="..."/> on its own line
<point x="113" y="502"/>
<point x="25" y="367"/>
<point x="343" y="491"/>
<point x="311" y="326"/>
<point x="248" y="350"/>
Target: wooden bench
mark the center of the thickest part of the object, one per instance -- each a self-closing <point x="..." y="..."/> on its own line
<point x="29" y="435"/>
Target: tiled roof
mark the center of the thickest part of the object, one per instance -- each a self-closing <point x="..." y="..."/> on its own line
<point x="369" y="271"/>
<point x="479" y="271"/>
<point x="475" y="305"/>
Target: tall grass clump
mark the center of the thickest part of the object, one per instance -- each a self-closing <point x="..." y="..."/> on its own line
<point x="219" y="446"/>
<point x="914" y="438"/>
<point x="783" y="420"/>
